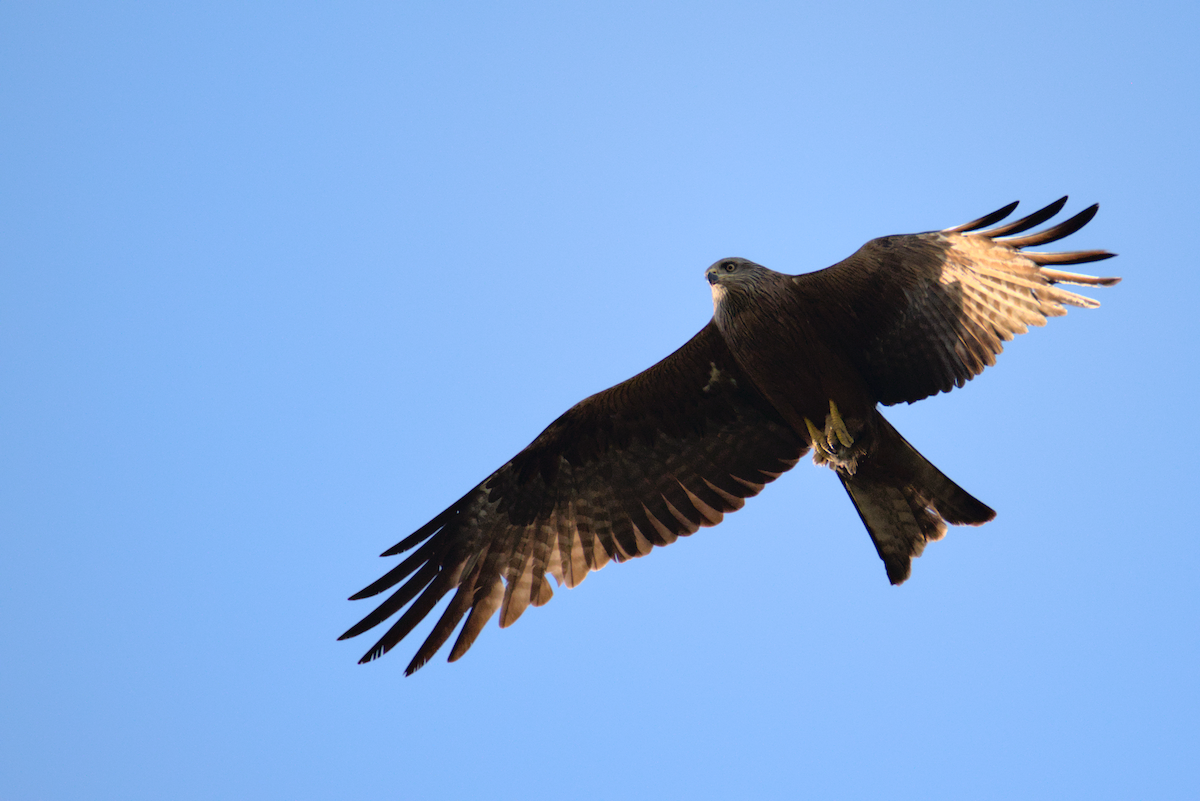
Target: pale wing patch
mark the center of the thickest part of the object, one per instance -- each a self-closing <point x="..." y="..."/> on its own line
<point x="667" y="534"/>
<point x="1005" y="289"/>
<point x="732" y="500"/>
<point x="711" y="515"/>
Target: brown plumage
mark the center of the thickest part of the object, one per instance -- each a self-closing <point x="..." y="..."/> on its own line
<point x="787" y="363"/>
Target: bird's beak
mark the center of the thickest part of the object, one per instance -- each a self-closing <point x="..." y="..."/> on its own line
<point x="711" y="275"/>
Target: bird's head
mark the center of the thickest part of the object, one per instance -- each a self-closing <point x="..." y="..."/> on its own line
<point x="730" y="278"/>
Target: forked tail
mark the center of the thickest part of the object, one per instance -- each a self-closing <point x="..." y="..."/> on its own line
<point x="905" y="502"/>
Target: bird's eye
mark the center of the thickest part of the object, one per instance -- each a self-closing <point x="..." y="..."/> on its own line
<point x="728" y="266"/>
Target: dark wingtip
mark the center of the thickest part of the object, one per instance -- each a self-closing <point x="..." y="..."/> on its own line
<point x="400" y="547"/>
<point x="1060" y="231"/>
<point x="353" y="631"/>
<point x="375" y="652"/>
<point x="984" y="221"/>
<point x="1028" y="221"/>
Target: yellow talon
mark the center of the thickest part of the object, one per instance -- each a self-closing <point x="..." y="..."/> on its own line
<point x="837" y="427"/>
<point x="813" y="432"/>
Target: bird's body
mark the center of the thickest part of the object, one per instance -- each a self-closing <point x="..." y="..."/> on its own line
<point x="779" y="309"/>
<point x="787" y="363"/>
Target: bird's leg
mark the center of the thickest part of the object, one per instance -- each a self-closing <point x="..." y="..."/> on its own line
<point x="834" y="445"/>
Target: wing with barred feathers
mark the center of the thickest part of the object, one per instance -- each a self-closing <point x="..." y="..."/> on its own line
<point x="649" y="460"/>
<point x="924" y="313"/>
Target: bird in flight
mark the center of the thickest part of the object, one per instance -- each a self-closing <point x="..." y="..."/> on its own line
<point x="788" y="363"/>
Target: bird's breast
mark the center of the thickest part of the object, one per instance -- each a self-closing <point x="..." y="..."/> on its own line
<point x="799" y="372"/>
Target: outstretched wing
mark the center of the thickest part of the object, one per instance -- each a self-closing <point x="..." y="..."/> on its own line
<point x="638" y="465"/>
<point x="924" y="313"/>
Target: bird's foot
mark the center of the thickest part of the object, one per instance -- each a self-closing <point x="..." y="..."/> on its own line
<point x="835" y="426"/>
<point x="834" y="446"/>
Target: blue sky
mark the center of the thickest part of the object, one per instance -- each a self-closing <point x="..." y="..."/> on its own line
<point x="279" y="282"/>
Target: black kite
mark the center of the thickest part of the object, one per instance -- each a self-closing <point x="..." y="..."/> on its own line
<point x="787" y="363"/>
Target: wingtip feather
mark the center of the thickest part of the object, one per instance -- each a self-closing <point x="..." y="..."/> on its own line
<point x="984" y="221"/>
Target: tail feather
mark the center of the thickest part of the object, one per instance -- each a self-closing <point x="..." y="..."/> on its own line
<point x="906" y="502"/>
